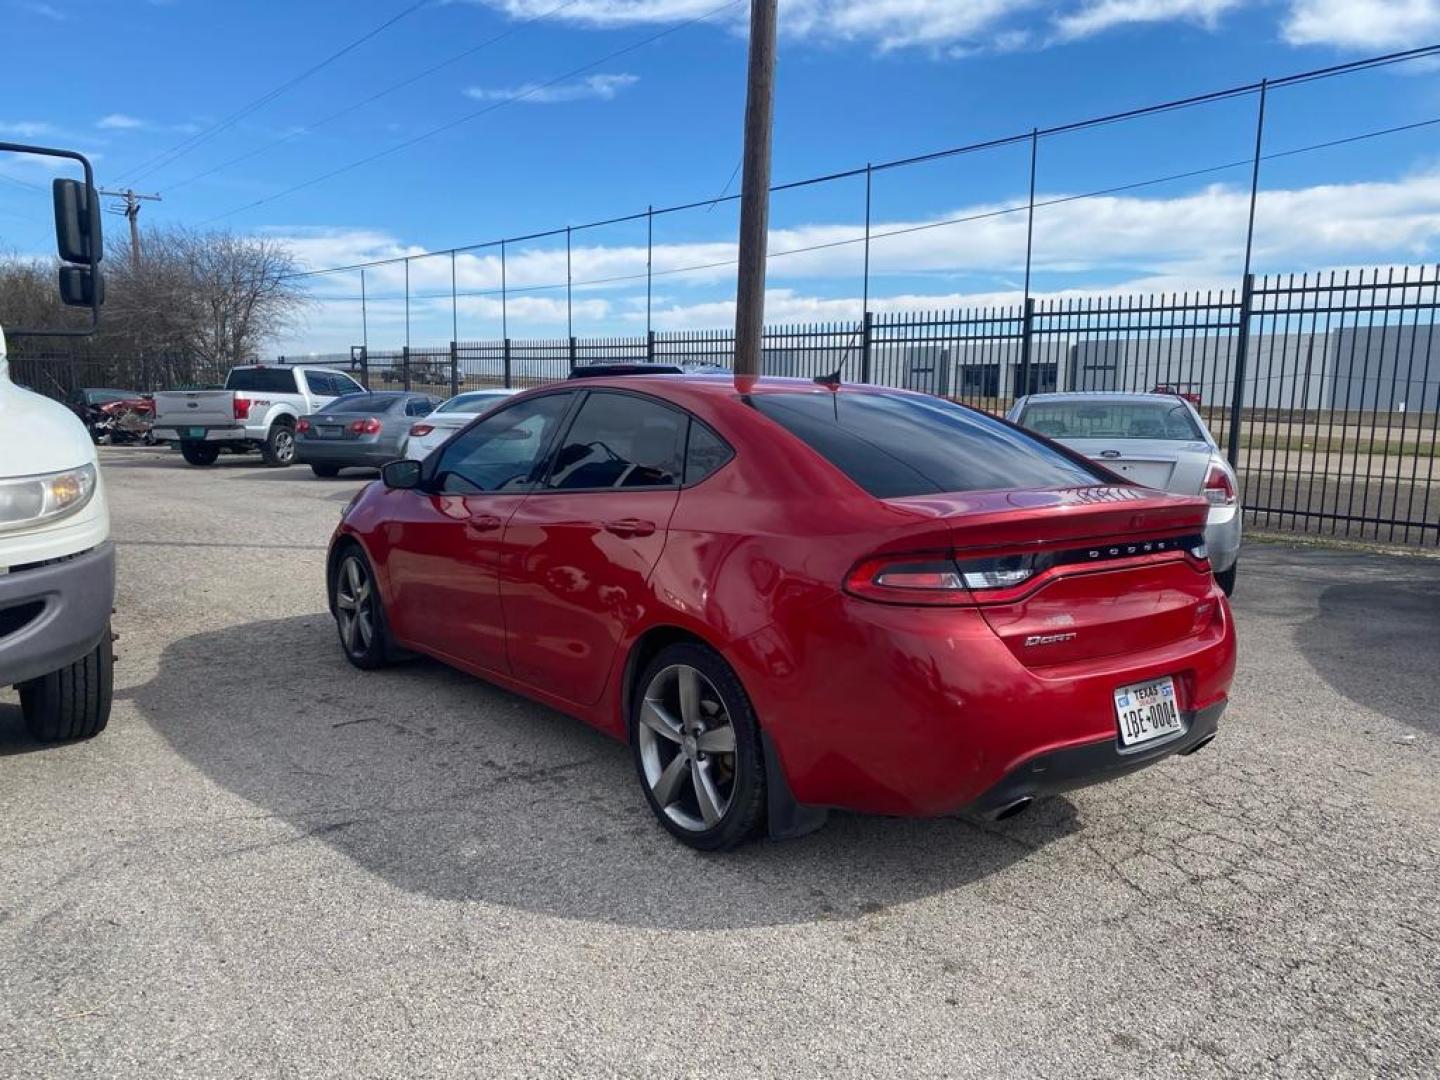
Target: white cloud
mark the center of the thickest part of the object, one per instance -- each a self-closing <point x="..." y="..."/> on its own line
<point x="119" y="122"/>
<point x="1096" y="16"/>
<point x="45" y="11"/>
<point x="603" y="87"/>
<point x="1362" y="24"/>
<point x="27" y="129"/>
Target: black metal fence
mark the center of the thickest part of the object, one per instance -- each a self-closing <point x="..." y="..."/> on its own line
<point x="1323" y="388"/>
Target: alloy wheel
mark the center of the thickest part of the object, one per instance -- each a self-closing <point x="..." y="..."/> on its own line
<point x="355" y="606"/>
<point x="284" y="446"/>
<point x="687" y="748"/>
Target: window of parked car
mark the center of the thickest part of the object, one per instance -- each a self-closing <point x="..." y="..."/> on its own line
<point x="1112" y="420"/>
<point x="363" y="402"/>
<point x="621" y="441"/>
<point x="475" y="402"/>
<point x="266" y="380"/>
<point x="704" y="453"/>
<point x="420" y="406"/>
<point x="502" y="452"/>
<point x="894" y="445"/>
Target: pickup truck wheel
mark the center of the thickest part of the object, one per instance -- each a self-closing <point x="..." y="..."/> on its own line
<point x="359" y="615"/>
<point x="278" y="449"/>
<point x="327" y="471"/>
<point x="74" y="702"/>
<point x="199" y="453"/>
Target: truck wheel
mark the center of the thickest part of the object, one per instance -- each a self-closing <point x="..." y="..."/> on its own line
<point x="74" y="702"/>
<point x="329" y="472"/>
<point x="199" y="453"/>
<point x="278" y="449"/>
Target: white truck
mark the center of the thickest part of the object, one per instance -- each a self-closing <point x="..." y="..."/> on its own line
<point x="57" y="562"/>
<point x="257" y="410"/>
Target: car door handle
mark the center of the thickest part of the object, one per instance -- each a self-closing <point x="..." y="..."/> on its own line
<point x="630" y="527"/>
<point x="483" y="523"/>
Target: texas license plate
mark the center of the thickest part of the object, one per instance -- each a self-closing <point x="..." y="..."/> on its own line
<point x="1147" y="711"/>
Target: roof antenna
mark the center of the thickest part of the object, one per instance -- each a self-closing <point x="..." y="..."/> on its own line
<point x="832" y="380"/>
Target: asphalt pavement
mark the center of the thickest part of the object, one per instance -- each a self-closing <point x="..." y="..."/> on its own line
<point x="273" y="865"/>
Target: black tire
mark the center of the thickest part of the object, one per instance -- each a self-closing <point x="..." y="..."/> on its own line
<point x="743" y="769"/>
<point x="328" y="472"/>
<point x="1226" y="579"/>
<point x="199" y="453"/>
<point x="278" y="449"/>
<point x="74" y="702"/>
<point x="365" y="653"/>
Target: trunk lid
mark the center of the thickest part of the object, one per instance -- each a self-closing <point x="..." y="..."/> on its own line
<point x="181" y="408"/>
<point x="1112" y="573"/>
<point x="1163" y="464"/>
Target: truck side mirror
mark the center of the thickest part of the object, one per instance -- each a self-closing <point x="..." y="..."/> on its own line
<point x="79" y="287"/>
<point x="77" y="222"/>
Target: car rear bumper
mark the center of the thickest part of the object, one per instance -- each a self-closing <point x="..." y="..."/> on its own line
<point x="51" y="615"/>
<point x="199" y="433"/>
<point x="357" y="455"/>
<point x="1222" y="536"/>
<point x="925" y="712"/>
<point x="1090" y="763"/>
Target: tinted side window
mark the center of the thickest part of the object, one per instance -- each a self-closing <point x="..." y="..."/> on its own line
<point x="501" y="452"/>
<point x="621" y="441"/>
<point x="705" y="453"/>
<point x="419" y="407"/>
<point x="894" y="445"/>
<point x="322" y="384"/>
<point x="265" y="380"/>
<point x="343" y="384"/>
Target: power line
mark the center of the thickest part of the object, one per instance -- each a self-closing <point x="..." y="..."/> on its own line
<point x="184" y="146"/>
<point x="529" y="91"/>
<point x="511" y="30"/>
<point x="1002" y="211"/>
<point x="989" y="144"/>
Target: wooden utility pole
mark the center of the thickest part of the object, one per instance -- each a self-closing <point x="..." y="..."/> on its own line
<point x="755" y="190"/>
<point x="131" y="210"/>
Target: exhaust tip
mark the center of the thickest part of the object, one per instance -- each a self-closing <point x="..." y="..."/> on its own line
<point x="1019" y="806"/>
<point x="1200" y="745"/>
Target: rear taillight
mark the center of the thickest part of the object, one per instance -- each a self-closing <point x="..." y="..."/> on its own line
<point x="302" y="426"/>
<point x="1219" y="488"/>
<point x="935" y="580"/>
<point x="368" y="426"/>
<point x="419" y="430"/>
<point x="242" y="407"/>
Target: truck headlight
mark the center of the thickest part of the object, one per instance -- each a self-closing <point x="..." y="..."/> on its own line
<point x="34" y="500"/>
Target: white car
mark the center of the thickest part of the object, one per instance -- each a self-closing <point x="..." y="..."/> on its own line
<point x="425" y="435"/>
<point x="57" y="566"/>
<point x="1158" y="440"/>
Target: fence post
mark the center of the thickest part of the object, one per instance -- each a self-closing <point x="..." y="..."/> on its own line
<point x="405" y="364"/>
<point x="365" y="366"/>
<point x="572" y="352"/>
<point x="867" y="329"/>
<point x="507" y="363"/>
<point x="1026" y="327"/>
<point x="1242" y="347"/>
<point x="650" y="346"/>
<point x="454" y="368"/>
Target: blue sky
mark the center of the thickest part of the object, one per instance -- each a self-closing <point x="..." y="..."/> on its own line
<point x="859" y="80"/>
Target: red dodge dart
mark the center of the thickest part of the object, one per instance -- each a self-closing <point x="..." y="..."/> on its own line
<point x="789" y="596"/>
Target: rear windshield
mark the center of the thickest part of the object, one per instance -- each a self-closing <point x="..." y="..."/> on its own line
<point x="894" y="445"/>
<point x="267" y="380"/>
<point x="362" y="403"/>
<point x="477" y="402"/>
<point x="1111" y="420"/>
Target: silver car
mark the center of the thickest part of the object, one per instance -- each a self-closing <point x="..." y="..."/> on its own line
<point x="1158" y="440"/>
<point x="435" y="428"/>
<point x="359" y="430"/>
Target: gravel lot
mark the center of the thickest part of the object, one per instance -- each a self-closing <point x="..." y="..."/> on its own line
<point x="272" y="865"/>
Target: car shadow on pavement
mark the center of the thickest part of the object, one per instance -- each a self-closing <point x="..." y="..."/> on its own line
<point x="443" y="785"/>
<point x="1374" y="641"/>
<point x="14" y="738"/>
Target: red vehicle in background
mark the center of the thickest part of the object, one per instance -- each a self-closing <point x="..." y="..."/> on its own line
<point x="113" y="416"/>
<point x="789" y="597"/>
<point x="1193" y="397"/>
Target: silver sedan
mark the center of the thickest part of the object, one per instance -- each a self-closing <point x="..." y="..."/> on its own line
<point x="428" y="433"/>
<point x="1158" y="440"/>
<point x="359" y="430"/>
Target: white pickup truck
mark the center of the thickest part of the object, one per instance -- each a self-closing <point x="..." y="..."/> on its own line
<point x="257" y="410"/>
<point x="57" y="566"/>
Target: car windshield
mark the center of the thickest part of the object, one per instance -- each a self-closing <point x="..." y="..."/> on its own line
<point x="1089" y="419"/>
<point x="471" y="403"/>
<point x="366" y="403"/>
<point x="265" y="379"/>
<point x="894" y="445"/>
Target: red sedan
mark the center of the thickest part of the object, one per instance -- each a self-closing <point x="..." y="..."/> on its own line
<point x="789" y="597"/>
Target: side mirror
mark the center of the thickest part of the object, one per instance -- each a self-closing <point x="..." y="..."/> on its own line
<point x="401" y="474"/>
<point x="80" y="287"/>
<point x="77" y="222"/>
